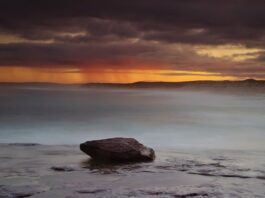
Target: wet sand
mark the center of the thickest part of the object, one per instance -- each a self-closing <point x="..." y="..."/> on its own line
<point x="64" y="171"/>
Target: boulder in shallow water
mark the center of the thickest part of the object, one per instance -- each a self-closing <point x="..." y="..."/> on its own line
<point x="118" y="150"/>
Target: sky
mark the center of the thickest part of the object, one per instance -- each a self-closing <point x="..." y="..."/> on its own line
<point x="124" y="41"/>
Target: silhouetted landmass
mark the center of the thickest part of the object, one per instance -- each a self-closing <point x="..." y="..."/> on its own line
<point x="249" y="83"/>
<point x="244" y="84"/>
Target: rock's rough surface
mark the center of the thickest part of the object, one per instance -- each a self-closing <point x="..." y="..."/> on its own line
<point x="118" y="150"/>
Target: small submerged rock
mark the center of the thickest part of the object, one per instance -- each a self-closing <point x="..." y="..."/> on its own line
<point x="91" y="190"/>
<point x="118" y="150"/>
<point x="21" y="191"/>
<point x="24" y="144"/>
<point x="62" y="168"/>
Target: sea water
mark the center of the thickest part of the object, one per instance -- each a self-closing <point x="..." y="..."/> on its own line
<point x="157" y="117"/>
<point x="207" y="143"/>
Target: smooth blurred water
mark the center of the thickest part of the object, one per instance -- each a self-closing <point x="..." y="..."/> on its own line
<point x="159" y="118"/>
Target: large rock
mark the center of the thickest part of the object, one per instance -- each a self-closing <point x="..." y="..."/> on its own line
<point x="118" y="150"/>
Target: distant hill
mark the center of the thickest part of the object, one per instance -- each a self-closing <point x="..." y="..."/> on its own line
<point x="249" y="83"/>
<point x="244" y="84"/>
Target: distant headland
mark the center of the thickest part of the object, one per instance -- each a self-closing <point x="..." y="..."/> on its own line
<point x="248" y="83"/>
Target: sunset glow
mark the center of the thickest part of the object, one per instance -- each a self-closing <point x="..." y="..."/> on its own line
<point x="76" y="76"/>
<point x="182" y="41"/>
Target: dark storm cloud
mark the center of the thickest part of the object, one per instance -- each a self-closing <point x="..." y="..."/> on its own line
<point x="69" y="54"/>
<point x="169" y="20"/>
<point x="60" y="29"/>
<point x="84" y="32"/>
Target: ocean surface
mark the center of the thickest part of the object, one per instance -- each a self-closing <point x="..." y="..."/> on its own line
<point x="208" y="143"/>
<point x="160" y="118"/>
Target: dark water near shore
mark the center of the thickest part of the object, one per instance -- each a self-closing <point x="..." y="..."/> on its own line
<point x="160" y="118"/>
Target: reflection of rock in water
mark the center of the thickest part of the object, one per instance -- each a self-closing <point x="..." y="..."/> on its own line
<point x="106" y="167"/>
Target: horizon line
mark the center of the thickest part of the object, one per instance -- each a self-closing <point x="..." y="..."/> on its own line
<point x="137" y="82"/>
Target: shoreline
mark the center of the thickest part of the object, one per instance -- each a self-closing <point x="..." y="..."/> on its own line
<point x="52" y="171"/>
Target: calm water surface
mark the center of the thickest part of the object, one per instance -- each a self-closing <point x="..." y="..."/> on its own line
<point x="208" y="144"/>
<point x="159" y="118"/>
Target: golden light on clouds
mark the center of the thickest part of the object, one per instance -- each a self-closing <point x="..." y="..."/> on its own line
<point x="5" y="39"/>
<point x="28" y="74"/>
<point x="234" y="52"/>
<point x="12" y="39"/>
<point x="75" y="75"/>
